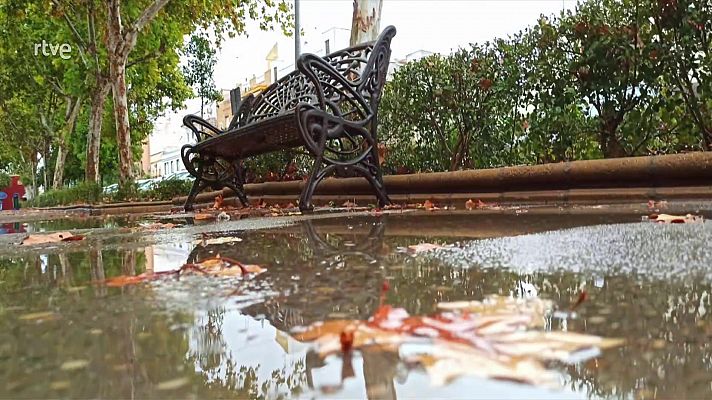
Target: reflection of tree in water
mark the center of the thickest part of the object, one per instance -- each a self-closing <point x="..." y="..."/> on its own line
<point x="667" y="327"/>
<point x="220" y="372"/>
<point x="210" y="345"/>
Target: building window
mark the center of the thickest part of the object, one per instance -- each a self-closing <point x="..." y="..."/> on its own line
<point x="165" y="168"/>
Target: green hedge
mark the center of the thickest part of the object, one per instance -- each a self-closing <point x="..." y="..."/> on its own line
<point x="90" y="193"/>
<point x="4" y="180"/>
<point x="83" y="193"/>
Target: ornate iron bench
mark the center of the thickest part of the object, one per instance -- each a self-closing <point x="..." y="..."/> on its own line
<point x="328" y="105"/>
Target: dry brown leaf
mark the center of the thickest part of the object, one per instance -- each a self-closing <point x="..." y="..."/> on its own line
<point x="204" y="216"/>
<point x="219" y="199"/>
<point x="675" y="219"/>
<point x="157" y="226"/>
<point x="423" y="247"/>
<point x="215" y="266"/>
<point x="493" y="338"/>
<point x="50" y="238"/>
<point x="429" y="205"/>
<point x="470" y="205"/>
<point x="350" y="204"/>
<point x="220" y="240"/>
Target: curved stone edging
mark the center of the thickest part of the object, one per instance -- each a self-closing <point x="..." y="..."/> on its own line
<point x="690" y="169"/>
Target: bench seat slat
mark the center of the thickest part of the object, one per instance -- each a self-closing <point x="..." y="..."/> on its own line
<point x="271" y="134"/>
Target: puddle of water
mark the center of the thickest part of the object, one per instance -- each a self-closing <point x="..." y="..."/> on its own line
<point x="70" y="223"/>
<point x="62" y="336"/>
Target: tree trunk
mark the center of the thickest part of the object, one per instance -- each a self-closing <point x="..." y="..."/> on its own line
<point x="366" y="21"/>
<point x="96" y="117"/>
<point x="121" y="115"/>
<point x="66" y="133"/>
<point x="610" y="144"/>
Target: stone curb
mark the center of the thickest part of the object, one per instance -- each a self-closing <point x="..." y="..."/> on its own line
<point x="559" y="180"/>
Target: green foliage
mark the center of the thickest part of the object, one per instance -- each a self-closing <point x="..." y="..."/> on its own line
<point x="199" y="70"/>
<point x="83" y="193"/>
<point x="167" y="189"/>
<point x="5" y="180"/>
<point x="614" y="78"/>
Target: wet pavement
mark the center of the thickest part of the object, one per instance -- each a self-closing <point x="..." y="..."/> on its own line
<point x="64" y="334"/>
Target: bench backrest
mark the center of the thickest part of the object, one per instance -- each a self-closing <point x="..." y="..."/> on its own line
<point x="364" y="66"/>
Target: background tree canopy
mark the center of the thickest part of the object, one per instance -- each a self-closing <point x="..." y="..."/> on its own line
<point x="614" y="78"/>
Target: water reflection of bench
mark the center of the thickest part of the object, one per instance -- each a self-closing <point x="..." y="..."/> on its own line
<point x="340" y="279"/>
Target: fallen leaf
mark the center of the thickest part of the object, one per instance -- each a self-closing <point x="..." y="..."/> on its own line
<point x="154" y="226"/>
<point x="349" y="204"/>
<point x="470" y="205"/>
<point x="203" y="216"/>
<point x="218" y="202"/>
<point x="675" y="219"/>
<point x="220" y="240"/>
<point x="215" y="266"/>
<point x="72" y="365"/>
<point x="124" y="280"/>
<point x="429" y="205"/>
<point x="50" y="238"/>
<point x="423" y="247"/>
<point x="347" y="340"/>
<point x="39" y="316"/>
<point x="581" y="298"/>
<point x="172" y="384"/>
<point x="494" y="338"/>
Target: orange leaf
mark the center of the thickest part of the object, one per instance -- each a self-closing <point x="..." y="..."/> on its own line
<point x="125" y="280"/>
<point x="469" y="204"/>
<point x="429" y="205"/>
<point x="49" y="238"/>
<point x="422" y="247"/>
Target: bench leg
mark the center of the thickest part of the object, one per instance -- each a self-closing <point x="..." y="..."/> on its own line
<point x="318" y="173"/>
<point x="376" y="179"/>
<point x="198" y="186"/>
<point x="239" y="192"/>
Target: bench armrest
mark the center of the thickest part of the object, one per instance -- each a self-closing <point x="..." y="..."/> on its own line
<point x="331" y="87"/>
<point x="192" y="120"/>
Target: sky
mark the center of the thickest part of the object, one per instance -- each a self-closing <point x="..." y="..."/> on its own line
<point x="434" y="25"/>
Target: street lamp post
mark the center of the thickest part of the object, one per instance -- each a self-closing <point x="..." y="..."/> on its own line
<point x="297" y="29"/>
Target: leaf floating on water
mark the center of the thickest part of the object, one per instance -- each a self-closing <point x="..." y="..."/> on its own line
<point x="73" y="365"/>
<point x="675" y="219"/>
<point x="125" y="280"/>
<point x="155" y="226"/>
<point x="173" y="384"/>
<point x="216" y="266"/>
<point x="494" y="338"/>
<point x="423" y="247"/>
<point x="220" y="240"/>
<point x="39" y="316"/>
<point x="50" y="238"/>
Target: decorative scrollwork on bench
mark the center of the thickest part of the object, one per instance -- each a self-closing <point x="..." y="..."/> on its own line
<point x="328" y="105"/>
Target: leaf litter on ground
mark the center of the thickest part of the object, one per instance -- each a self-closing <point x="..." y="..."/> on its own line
<point x="497" y="338"/>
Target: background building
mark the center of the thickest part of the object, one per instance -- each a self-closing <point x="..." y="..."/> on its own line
<point x="10" y="196"/>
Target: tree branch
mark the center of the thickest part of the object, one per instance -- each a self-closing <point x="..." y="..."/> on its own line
<point x="131" y="34"/>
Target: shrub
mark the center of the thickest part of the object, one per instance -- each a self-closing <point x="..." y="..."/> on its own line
<point x="4" y="180"/>
<point x="168" y="189"/>
<point x="83" y="193"/>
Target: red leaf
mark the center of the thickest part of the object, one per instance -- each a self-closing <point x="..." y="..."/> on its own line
<point x="581" y="298"/>
<point x="347" y="340"/>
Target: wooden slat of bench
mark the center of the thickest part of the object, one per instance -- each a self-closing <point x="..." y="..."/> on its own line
<point x="269" y="135"/>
